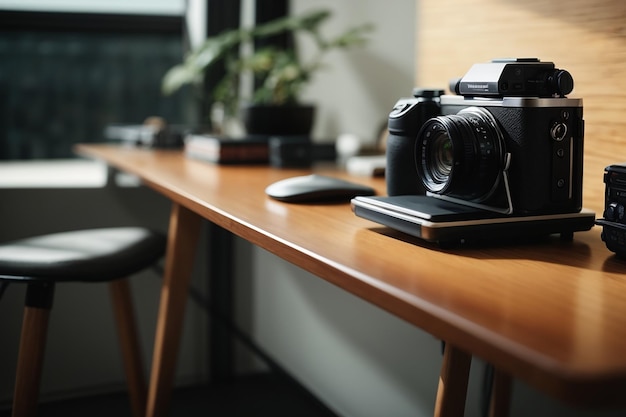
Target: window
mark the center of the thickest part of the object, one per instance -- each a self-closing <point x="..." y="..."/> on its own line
<point x="70" y="68"/>
<point x="65" y="76"/>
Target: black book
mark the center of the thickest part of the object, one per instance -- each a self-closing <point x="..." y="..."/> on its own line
<point x="227" y="150"/>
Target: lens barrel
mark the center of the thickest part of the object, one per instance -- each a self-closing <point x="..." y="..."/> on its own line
<point x="461" y="155"/>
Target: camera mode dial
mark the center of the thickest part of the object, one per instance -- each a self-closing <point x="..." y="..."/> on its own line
<point x="427" y="92"/>
<point x="562" y="82"/>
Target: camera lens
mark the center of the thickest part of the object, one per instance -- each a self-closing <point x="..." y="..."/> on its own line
<point x="441" y="157"/>
<point x="460" y="155"/>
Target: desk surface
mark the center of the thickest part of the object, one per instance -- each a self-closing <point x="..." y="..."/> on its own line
<point x="552" y="313"/>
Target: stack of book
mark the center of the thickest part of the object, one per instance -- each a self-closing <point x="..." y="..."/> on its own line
<point x="227" y="150"/>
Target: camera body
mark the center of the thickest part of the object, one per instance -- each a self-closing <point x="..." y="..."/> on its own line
<point x="405" y="121"/>
<point x="519" y="154"/>
<point x="614" y="221"/>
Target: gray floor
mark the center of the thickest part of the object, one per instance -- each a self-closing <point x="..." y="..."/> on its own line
<point x="262" y="395"/>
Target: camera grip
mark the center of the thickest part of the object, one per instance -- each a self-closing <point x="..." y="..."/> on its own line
<point x="401" y="173"/>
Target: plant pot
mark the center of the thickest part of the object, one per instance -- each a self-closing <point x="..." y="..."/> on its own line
<point x="285" y="120"/>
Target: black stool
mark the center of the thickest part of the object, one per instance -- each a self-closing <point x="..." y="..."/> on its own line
<point x="96" y="255"/>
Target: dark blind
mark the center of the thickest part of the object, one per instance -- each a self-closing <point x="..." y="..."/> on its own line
<point x="64" y="77"/>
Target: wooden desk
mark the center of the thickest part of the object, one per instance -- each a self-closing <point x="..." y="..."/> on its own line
<point x="551" y="313"/>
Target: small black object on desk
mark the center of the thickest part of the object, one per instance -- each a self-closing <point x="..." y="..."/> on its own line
<point x="316" y="188"/>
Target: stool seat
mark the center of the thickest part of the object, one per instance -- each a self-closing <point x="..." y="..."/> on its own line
<point x="108" y="254"/>
<point x="81" y="255"/>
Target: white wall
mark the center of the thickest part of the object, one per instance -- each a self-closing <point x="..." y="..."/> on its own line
<point x="358" y="359"/>
<point x="359" y="86"/>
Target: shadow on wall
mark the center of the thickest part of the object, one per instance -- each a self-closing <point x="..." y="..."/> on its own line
<point x="360" y="360"/>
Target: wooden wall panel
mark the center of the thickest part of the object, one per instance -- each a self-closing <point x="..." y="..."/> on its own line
<point x="588" y="38"/>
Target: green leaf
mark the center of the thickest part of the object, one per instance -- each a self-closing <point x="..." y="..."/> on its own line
<point x="307" y="22"/>
<point x="353" y="36"/>
<point x="178" y="76"/>
<point x="214" y="48"/>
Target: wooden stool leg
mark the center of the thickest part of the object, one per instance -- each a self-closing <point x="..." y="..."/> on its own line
<point x="453" y="380"/>
<point x="501" y="394"/>
<point x="32" y="347"/>
<point x="128" y="334"/>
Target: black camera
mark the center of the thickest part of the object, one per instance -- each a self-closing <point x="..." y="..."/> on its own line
<point x="614" y="221"/>
<point x="501" y="159"/>
<point x="510" y="144"/>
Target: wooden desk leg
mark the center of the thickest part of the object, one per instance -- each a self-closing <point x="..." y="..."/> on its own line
<point x="183" y="235"/>
<point x="501" y="394"/>
<point x="453" y="379"/>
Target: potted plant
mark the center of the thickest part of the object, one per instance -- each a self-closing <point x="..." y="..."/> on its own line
<point x="279" y="74"/>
